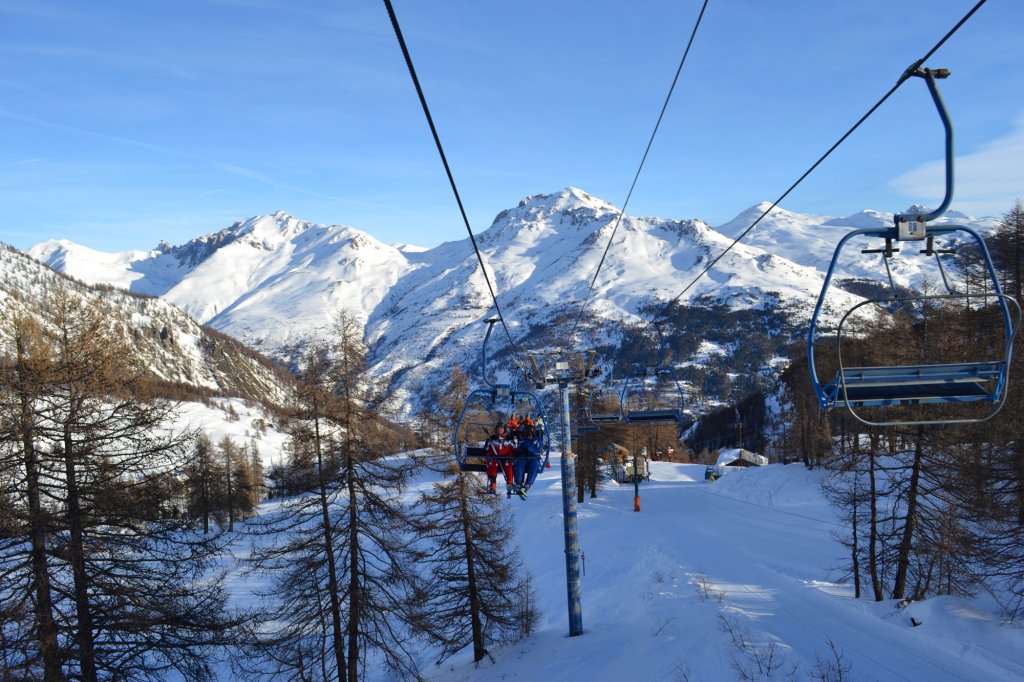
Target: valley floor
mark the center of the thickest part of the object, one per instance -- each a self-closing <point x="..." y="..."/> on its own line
<point x="732" y="580"/>
<point x="727" y="580"/>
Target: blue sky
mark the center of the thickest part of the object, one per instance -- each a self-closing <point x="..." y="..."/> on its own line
<point x="126" y="123"/>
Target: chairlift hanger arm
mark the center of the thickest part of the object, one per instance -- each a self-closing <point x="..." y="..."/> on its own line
<point x="929" y="76"/>
<point x="891" y="233"/>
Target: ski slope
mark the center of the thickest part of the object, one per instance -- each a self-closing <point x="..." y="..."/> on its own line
<point x="723" y="581"/>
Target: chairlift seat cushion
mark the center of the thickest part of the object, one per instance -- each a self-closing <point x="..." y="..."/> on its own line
<point x="608" y="418"/>
<point x="475" y="459"/>
<point x="636" y="416"/>
<point x="915" y="384"/>
<point x="479" y="467"/>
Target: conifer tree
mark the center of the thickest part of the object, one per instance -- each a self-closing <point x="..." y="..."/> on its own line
<point x="200" y="477"/>
<point x="475" y="590"/>
<point x="342" y="575"/>
<point x="256" y="473"/>
<point x="26" y="595"/>
<point x="240" y="492"/>
<point x="1006" y="245"/>
<point x="131" y="593"/>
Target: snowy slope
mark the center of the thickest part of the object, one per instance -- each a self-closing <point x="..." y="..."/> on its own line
<point x="810" y="240"/>
<point x="170" y="343"/>
<point x="710" y="581"/>
<point x="275" y="281"/>
<point x="91" y="266"/>
<point x="249" y="424"/>
<point x="270" y="281"/>
<point x="752" y="552"/>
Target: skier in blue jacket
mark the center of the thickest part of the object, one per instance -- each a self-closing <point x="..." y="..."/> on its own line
<point x="527" y="462"/>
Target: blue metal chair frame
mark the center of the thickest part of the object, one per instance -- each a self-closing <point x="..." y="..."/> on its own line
<point x="651" y="416"/>
<point x="979" y="381"/>
<point x="595" y="419"/>
<point x="474" y="458"/>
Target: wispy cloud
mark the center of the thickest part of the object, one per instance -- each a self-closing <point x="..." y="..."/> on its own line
<point x="37" y="10"/>
<point x="230" y="168"/>
<point x="987" y="181"/>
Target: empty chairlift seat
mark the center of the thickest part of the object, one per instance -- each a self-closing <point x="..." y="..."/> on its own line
<point x="983" y="379"/>
<point x="915" y="384"/>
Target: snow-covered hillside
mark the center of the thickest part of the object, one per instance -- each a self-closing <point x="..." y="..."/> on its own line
<point x="720" y="581"/>
<point x="275" y="282"/>
<point x="811" y="239"/>
<point x="242" y="421"/>
<point x="271" y="281"/>
<point x="173" y="346"/>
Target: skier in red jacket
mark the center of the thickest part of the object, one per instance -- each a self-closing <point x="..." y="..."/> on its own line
<point x="500" y="449"/>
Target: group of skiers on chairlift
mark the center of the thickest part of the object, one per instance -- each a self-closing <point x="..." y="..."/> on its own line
<point x="517" y="447"/>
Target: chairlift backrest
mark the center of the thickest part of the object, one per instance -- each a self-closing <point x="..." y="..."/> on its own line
<point x="650" y="413"/>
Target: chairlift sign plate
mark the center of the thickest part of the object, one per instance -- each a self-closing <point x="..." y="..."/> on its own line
<point x="910" y="228"/>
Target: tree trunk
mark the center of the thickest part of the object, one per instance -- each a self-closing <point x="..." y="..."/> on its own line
<point x="855" y="511"/>
<point x="231" y="497"/>
<point x="474" y="596"/>
<point x="86" y="643"/>
<point x="354" y="596"/>
<point x="1018" y="459"/>
<point x="332" y="573"/>
<point x="204" y="484"/>
<point x="876" y="582"/>
<point x="580" y="476"/>
<point x="46" y="628"/>
<point x="855" y="550"/>
<point x="903" y="559"/>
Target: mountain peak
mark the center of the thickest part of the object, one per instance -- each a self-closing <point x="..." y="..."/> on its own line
<point x="274" y="228"/>
<point x="571" y="205"/>
<point x="568" y="199"/>
<point x="865" y="218"/>
<point x="776" y="216"/>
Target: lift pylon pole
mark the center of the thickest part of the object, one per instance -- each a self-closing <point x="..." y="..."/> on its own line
<point x="572" y="544"/>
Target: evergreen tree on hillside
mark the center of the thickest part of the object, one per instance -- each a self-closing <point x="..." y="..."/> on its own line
<point x="339" y="559"/>
<point x="377" y="555"/>
<point x="200" y="482"/>
<point x="440" y="411"/>
<point x="302" y="560"/>
<point x="130" y="590"/>
<point x="27" y="599"/>
<point x="476" y="592"/>
<point x="1006" y="244"/>
<point x="256" y="473"/>
<point x="240" y="492"/>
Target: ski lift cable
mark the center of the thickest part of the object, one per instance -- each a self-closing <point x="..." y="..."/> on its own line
<point x="902" y="79"/>
<point x="636" y="177"/>
<point x="451" y="177"/>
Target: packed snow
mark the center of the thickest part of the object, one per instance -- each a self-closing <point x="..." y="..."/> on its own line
<point x="736" y="579"/>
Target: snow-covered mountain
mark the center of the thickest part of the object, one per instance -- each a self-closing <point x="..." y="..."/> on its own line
<point x="542" y="255"/>
<point x="171" y="344"/>
<point x="270" y="281"/>
<point x="275" y="282"/>
<point x="811" y="239"/>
